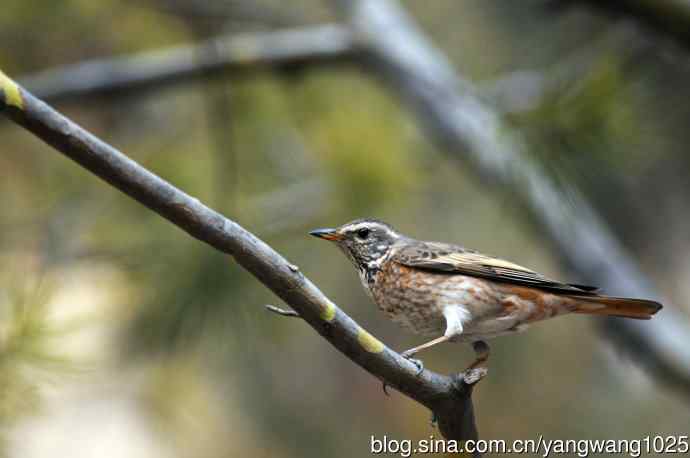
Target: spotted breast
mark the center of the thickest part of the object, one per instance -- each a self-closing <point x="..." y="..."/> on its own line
<point x="415" y="299"/>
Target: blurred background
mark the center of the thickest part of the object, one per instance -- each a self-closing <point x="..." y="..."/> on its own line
<point x="122" y="336"/>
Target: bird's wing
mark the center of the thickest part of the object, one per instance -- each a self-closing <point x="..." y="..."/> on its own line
<point x="448" y="258"/>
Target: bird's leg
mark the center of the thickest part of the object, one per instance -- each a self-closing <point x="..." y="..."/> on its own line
<point x="455" y="316"/>
<point x="431" y="343"/>
<point x="482" y="351"/>
<point x="412" y="351"/>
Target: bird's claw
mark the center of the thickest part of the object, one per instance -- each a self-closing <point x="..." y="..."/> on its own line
<point x="417" y="362"/>
<point x="385" y="390"/>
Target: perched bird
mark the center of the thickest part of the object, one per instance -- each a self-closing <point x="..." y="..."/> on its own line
<point x="459" y="295"/>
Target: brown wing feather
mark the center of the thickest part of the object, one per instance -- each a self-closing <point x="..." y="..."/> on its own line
<point x="447" y="258"/>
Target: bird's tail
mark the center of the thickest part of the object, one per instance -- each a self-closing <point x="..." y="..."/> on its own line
<point x="639" y="309"/>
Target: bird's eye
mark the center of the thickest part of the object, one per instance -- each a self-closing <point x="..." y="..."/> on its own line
<point x="363" y="233"/>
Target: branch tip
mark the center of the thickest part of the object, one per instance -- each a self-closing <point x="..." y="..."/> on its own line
<point x="473" y="376"/>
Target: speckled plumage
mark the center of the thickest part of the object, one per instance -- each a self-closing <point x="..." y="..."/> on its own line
<point x="415" y="299"/>
<point x="446" y="290"/>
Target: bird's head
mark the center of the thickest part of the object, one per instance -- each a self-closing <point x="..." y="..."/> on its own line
<point x="365" y="241"/>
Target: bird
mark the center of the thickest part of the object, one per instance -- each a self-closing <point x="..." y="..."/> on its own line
<point x="455" y="294"/>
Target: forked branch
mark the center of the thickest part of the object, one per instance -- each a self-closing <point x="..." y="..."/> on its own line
<point x="287" y="49"/>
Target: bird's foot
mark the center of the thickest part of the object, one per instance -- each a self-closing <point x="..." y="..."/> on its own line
<point x="417" y="362"/>
<point x="385" y="388"/>
<point x="408" y="356"/>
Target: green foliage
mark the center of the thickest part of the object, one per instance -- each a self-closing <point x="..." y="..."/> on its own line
<point x="27" y="353"/>
<point x="595" y="120"/>
<point x="363" y="146"/>
<point x="36" y="35"/>
<point x="200" y="303"/>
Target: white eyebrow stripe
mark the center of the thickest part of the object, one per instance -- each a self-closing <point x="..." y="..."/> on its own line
<point x="357" y="226"/>
<point x="373" y="225"/>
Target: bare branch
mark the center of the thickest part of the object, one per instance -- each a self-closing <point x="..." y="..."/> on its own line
<point x="515" y="92"/>
<point x="469" y="130"/>
<point x="288" y="49"/>
<point x="448" y="399"/>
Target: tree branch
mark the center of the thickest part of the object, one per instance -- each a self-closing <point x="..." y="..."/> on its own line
<point x="469" y="130"/>
<point x="288" y="49"/>
<point x="447" y="397"/>
<point x="301" y="47"/>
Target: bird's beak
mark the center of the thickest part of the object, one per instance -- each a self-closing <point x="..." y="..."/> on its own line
<point x="327" y="234"/>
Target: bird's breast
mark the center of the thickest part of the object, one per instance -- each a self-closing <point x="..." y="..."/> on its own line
<point x="416" y="298"/>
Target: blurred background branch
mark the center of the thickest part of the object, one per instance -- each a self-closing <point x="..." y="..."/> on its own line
<point x="287" y="50"/>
